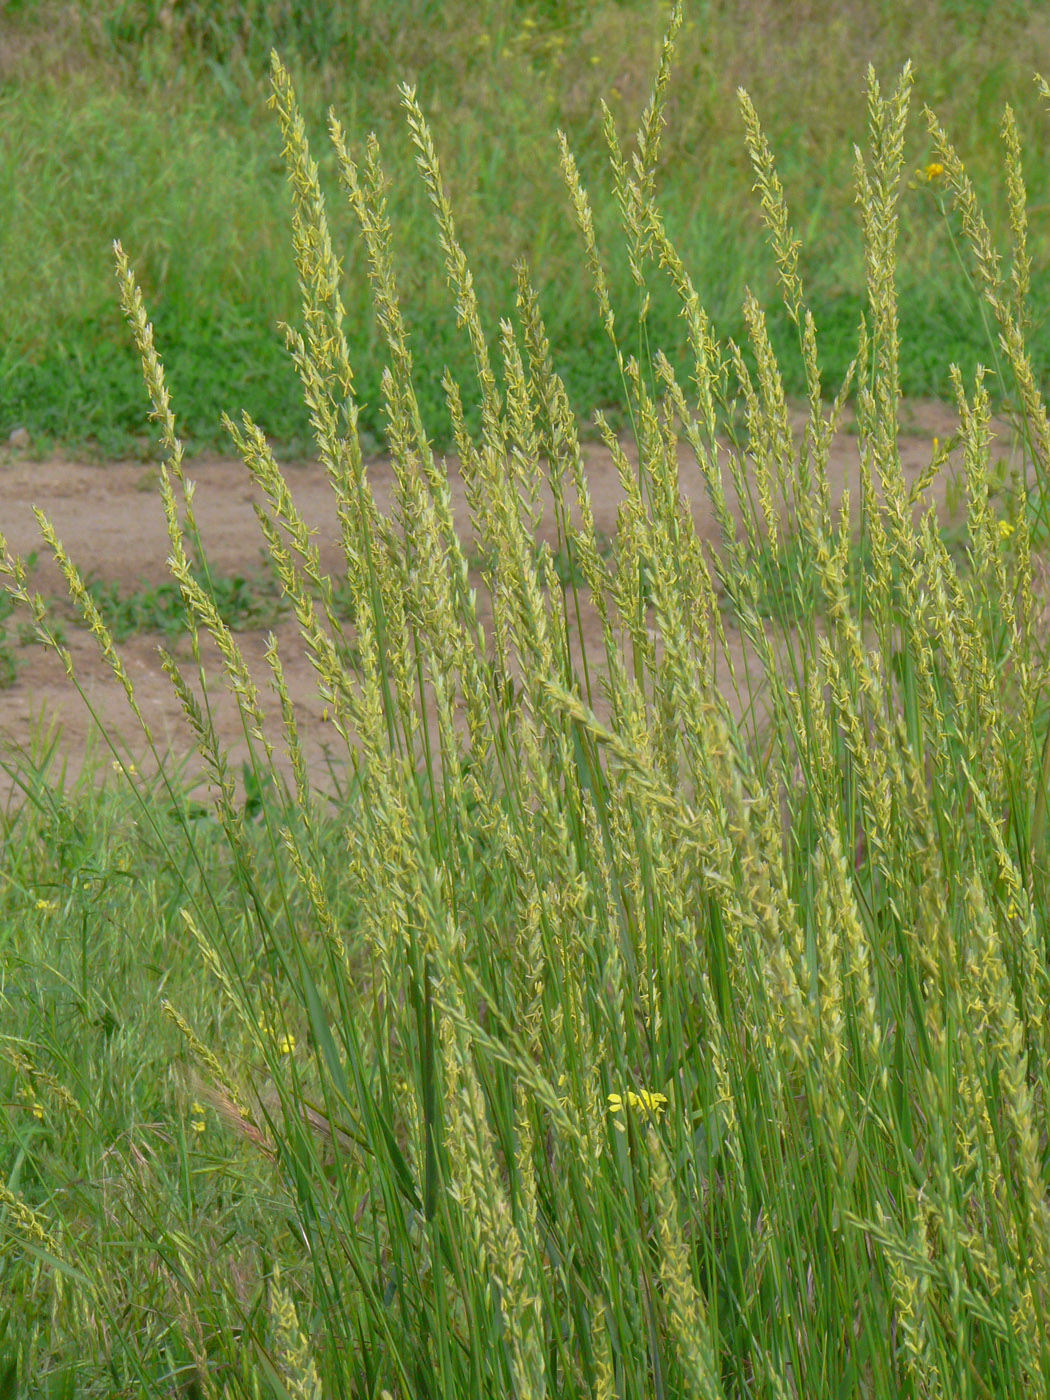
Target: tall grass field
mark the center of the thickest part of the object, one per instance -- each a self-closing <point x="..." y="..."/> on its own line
<point x="595" y="1037"/>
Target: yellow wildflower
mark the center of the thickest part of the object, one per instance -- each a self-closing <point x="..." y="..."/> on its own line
<point x="652" y="1102"/>
<point x="1006" y="529"/>
<point x="47" y="906"/>
<point x="31" y="1102"/>
<point x="197" y="1121"/>
<point x="933" y="170"/>
<point x="285" y="1042"/>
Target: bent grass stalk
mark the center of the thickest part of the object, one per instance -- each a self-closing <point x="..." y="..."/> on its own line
<point x="793" y="942"/>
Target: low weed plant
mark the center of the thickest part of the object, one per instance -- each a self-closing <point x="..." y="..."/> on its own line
<point x="8" y="656"/>
<point x="241" y="602"/>
<point x="597" y="1037"/>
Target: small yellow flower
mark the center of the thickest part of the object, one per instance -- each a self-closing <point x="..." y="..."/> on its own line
<point x="653" y="1104"/>
<point x="47" y="906"/>
<point x="933" y="170"/>
<point x="1006" y="529"/>
<point x="197" y="1121"/>
<point x="286" y="1044"/>
<point x="32" y="1103"/>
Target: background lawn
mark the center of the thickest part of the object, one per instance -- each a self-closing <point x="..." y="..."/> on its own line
<point x="148" y="122"/>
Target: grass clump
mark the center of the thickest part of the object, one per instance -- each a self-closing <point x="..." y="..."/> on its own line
<point x="604" y="1036"/>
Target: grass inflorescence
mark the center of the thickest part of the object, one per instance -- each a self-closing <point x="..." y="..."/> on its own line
<point x="677" y="1027"/>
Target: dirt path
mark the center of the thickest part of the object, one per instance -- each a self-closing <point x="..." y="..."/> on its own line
<point x="112" y="525"/>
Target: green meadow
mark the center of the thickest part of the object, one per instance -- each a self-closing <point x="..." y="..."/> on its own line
<point x="577" y="1033"/>
<point x="147" y="122"/>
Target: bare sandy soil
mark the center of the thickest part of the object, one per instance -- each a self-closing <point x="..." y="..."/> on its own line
<point x="112" y="525"/>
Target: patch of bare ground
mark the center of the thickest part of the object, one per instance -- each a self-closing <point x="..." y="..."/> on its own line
<point x="112" y="524"/>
